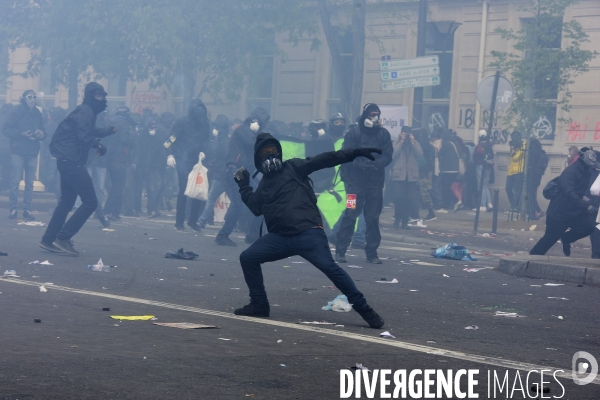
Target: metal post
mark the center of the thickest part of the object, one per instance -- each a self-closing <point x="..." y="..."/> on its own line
<point x="489" y="136"/>
<point x="418" y="92"/>
<point x="495" y="217"/>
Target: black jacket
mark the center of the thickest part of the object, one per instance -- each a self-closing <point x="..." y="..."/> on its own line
<point x="363" y="172"/>
<point x="122" y="143"/>
<point x="242" y="141"/>
<point x="76" y="134"/>
<point x="23" y="119"/>
<point x="537" y="163"/>
<point x="572" y="185"/>
<point x="285" y="197"/>
<point x="448" y="156"/>
<point x="192" y="133"/>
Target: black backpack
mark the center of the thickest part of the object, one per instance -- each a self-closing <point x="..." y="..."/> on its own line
<point x="551" y="189"/>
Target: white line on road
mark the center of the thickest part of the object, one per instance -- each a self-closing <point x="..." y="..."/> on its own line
<point x="498" y="362"/>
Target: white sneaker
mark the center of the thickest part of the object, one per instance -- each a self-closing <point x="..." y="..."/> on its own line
<point x="483" y="208"/>
<point x="490" y="206"/>
<point x="441" y="211"/>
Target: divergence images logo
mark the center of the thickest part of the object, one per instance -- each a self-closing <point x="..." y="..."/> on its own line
<point x="581" y="368"/>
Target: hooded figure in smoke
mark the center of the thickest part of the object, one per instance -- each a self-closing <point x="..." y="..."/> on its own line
<point x="70" y="146"/>
<point x="25" y="129"/>
<point x="239" y="155"/>
<point x="289" y="205"/>
<point x="192" y="134"/>
<point x="337" y="125"/>
<point x="364" y="181"/>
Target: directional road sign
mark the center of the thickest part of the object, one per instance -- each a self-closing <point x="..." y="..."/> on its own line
<point x="410" y="73"/>
<point x="410" y="83"/>
<point x="390" y="65"/>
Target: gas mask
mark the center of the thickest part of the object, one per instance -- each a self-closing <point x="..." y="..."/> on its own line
<point x="271" y="159"/>
<point x="589" y="158"/>
<point x="30" y="100"/>
<point x="254" y="126"/>
<point x="215" y="133"/>
<point x="370" y="122"/>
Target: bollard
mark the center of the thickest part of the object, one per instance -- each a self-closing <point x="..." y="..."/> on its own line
<point x="495" y="217"/>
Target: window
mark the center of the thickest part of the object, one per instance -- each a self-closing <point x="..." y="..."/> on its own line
<point x="260" y="81"/>
<point x="345" y="44"/>
<point x="547" y="43"/>
<point x="3" y="70"/>
<point x="47" y="84"/>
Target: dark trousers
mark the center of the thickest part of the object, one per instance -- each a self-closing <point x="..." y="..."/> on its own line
<point x="196" y="206"/>
<point x="156" y="183"/>
<point x="118" y="175"/>
<point x="581" y="226"/>
<point x="371" y="201"/>
<point x="533" y="206"/>
<point x="311" y="245"/>
<point x="514" y="188"/>
<point x="446" y="181"/>
<point x="405" y="196"/>
<point x="74" y="181"/>
<point x="595" y="239"/>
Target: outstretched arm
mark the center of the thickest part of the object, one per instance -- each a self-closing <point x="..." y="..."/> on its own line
<point x="330" y="159"/>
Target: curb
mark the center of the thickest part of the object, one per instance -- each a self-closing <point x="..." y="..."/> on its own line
<point x="574" y="270"/>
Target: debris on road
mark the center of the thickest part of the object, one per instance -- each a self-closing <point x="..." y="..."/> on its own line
<point x="316" y="323"/>
<point x="287" y="266"/>
<point x="383" y="280"/>
<point x="532" y="228"/>
<point x="297" y="262"/>
<point x="99" y="267"/>
<point x="353" y="266"/>
<point x="445" y="276"/>
<point x="182" y="255"/>
<point x="413" y="290"/>
<point x="475" y="269"/>
<point x="508" y="314"/>
<point x="453" y="251"/>
<point x="3" y="254"/>
<point x="386" y="334"/>
<point x="133" y="317"/>
<point x="308" y="289"/>
<point x="279" y="341"/>
<point x="339" y="304"/>
<point x="185" y="325"/>
<point x="108" y="229"/>
<point x="11" y="273"/>
<point x="41" y="263"/>
<point x="554" y="284"/>
<point x="31" y="223"/>
<point x="360" y="366"/>
<point x="37" y="321"/>
<point x="43" y="289"/>
<point x="181" y="267"/>
<point x="472" y="327"/>
<point x="560" y="317"/>
<point x="222" y="338"/>
<point x="558" y="298"/>
<point x="426" y="264"/>
<point x="106" y="309"/>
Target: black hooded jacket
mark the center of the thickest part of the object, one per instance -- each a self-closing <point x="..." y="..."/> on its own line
<point x="23" y="119"/>
<point x="121" y="144"/>
<point x="285" y="197"/>
<point x="568" y="203"/>
<point x="192" y="133"/>
<point x="242" y="140"/>
<point x="77" y="133"/>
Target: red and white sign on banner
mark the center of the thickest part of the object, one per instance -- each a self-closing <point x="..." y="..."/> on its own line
<point x="351" y="201"/>
<point x="142" y="100"/>
<point x="221" y="207"/>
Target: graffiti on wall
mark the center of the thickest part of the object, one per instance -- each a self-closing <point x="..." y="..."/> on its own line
<point x="583" y="131"/>
<point x="466" y="119"/>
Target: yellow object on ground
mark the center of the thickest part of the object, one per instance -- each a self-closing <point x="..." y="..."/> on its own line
<point x="132" y="317"/>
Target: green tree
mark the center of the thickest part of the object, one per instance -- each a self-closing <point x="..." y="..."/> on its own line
<point x="546" y="57"/>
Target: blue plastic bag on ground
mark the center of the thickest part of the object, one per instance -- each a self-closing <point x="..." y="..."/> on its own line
<point x="453" y="251"/>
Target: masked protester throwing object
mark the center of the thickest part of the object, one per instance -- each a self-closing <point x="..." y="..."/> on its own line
<point x="289" y="205"/>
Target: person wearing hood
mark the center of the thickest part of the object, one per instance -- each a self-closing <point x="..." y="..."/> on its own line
<point x="240" y="154"/>
<point x="289" y="205"/>
<point x="569" y="209"/>
<point x="217" y="171"/>
<point x="364" y="180"/>
<point x="191" y="135"/>
<point x="25" y="129"/>
<point x="316" y="129"/>
<point x="70" y="145"/>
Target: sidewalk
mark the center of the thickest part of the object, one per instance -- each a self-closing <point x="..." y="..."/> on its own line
<point x="566" y="269"/>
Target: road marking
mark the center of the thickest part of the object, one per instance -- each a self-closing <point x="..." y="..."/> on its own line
<point x="498" y="362"/>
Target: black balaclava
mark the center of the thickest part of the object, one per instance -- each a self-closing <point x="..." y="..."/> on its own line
<point x="92" y="89"/>
<point x="367" y="109"/>
<point x="197" y="112"/>
<point x="339" y="129"/>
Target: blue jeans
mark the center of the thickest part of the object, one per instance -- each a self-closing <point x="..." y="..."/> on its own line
<point x="311" y="245"/>
<point x="486" y="198"/>
<point x="74" y="181"/>
<point x="215" y="190"/>
<point x="359" y="234"/>
<point x="18" y="164"/>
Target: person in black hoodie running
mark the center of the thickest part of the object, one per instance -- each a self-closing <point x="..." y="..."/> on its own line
<point x="70" y="146"/>
<point x="289" y="205"/>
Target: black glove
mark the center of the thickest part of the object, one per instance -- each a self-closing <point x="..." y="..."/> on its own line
<point x="366" y="152"/>
<point x="242" y="177"/>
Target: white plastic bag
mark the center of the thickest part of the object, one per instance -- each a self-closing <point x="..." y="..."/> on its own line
<point x="339" y="304"/>
<point x="197" y="183"/>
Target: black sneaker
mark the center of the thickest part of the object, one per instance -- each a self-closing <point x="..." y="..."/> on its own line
<point x="66" y="246"/>
<point x="431" y="216"/>
<point x="105" y="223"/>
<point x="254" y="310"/>
<point x="566" y="249"/>
<point x="179" y="228"/>
<point x="13" y="214"/>
<point x="202" y="224"/>
<point x="50" y="247"/>
<point x="372" y="318"/>
<point x="374" y="260"/>
<point x="341" y="258"/>
<point x="358" y="245"/>
<point x="27" y="215"/>
<point x="194" y="226"/>
<point x="223" y="240"/>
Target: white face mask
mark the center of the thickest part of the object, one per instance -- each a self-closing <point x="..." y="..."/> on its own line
<point x="254" y="127"/>
<point x="215" y="133"/>
<point x="321" y="132"/>
<point x="152" y="132"/>
<point x="368" y="123"/>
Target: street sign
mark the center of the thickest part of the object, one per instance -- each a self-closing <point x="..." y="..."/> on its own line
<point x="409" y="63"/>
<point x="504" y="96"/>
<point x="410" y="73"/>
<point x="411" y="83"/>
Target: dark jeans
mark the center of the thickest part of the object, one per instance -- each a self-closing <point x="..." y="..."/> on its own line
<point x="405" y="194"/>
<point x="371" y="201"/>
<point x="156" y="183"/>
<point x="595" y="239"/>
<point x="196" y="206"/>
<point x="514" y="188"/>
<point x="19" y="164"/>
<point x="311" y="245"/>
<point x="74" y="181"/>
<point x="446" y="181"/>
<point x="118" y="175"/>
<point x="581" y="227"/>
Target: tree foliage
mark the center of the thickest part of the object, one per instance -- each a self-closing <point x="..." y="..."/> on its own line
<point x="547" y="55"/>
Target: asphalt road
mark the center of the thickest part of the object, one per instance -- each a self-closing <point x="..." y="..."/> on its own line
<point x="78" y="352"/>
